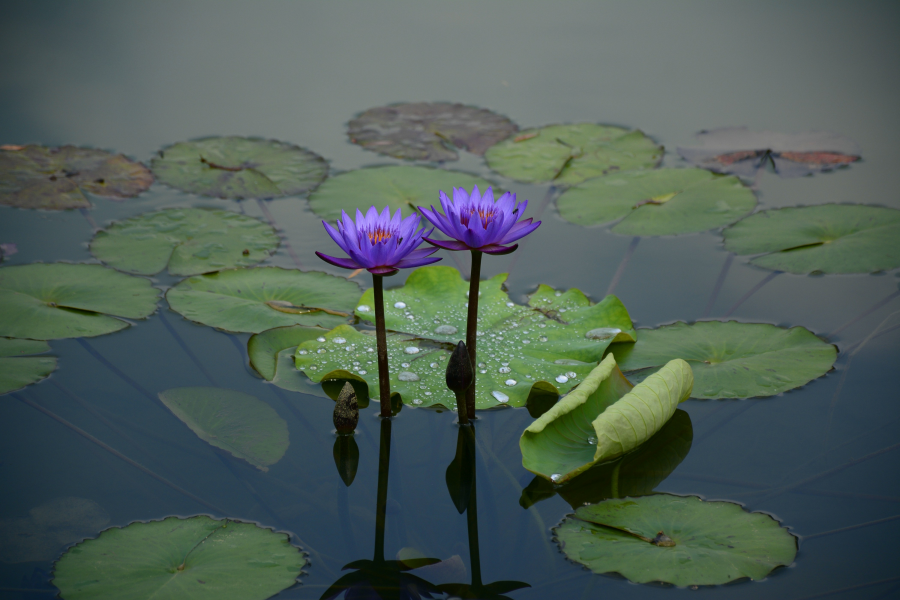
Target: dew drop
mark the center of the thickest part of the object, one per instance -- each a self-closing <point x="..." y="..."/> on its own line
<point x="556" y="476"/>
<point x="483" y="371"/>
<point x="320" y="339"/>
<point x="362" y="371"/>
<point x="399" y="304"/>
<point x="482" y="365"/>
<point x="434" y="365"/>
<point x="510" y="382"/>
<point x="558" y="293"/>
<point x="321" y="350"/>
<point x="510" y="304"/>
<point x="313" y="367"/>
<point x="505" y="364"/>
<point x="363" y="308"/>
<point x="562" y="378"/>
<point x="302" y="352"/>
<point x="411" y="350"/>
<point x="526" y="341"/>
<point x="370" y="349"/>
<point x="571" y="374"/>
<point x="427" y="393"/>
<point x="407" y="376"/>
<point x="445" y="329"/>
<point x="339" y="340"/>
<point x="602" y="333"/>
<point x="500" y="397"/>
<point x="592" y="441"/>
<point x="504" y="369"/>
<point x="543" y="338"/>
<point x="479" y="333"/>
<point x="416" y="401"/>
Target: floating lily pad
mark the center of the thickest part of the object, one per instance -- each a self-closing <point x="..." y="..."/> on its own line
<point x="731" y="360"/>
<point x="58" y="178"/>
<point x="60" y="300"/>
<point x="256" y="299"/>
<point x="190" y="241"/>
<point x="637" y="473"/>
<point x="239" y="167"/>
<point x="550" y="345"/>
<point x="238" y="423"/>
<point x="395" y="186"/>
<point x="739" y="151"/>
<point x="658" y="202"/>
<point x="49" y="528"/>
<point x="681" y="540"/>
<point x="193" y="559"/>
<point x="429" y="130"/>
<point x="602" y="419"/>
<point x="828" y="238"/>
<point x="17" y="369"/>
<point x="569" y="154"/>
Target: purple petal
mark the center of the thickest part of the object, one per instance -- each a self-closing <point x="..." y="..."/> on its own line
<point x="520" y="233"/>
<point x="447" y="244"/>
<point x="383" y="271"/>
<point x="506" y="202"/>
<point x="417" y="262"/>
<point x="336" y="236"/>
<point x="344" y="263"/>
<point x="497" y="249"/>
<point x="421" y="252"/>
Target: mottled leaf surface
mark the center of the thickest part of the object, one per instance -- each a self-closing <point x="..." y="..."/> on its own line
<point x="61" y="300"/>
<point x="714" y="542"/>
<point x="197" y="558"/>
<point x="731" y="360"/>
<point x="403" y="187"/>
<point x="58" y="178"/>
<point x="569" y="154"/>
<point x="189" y="241"/>
<point x="739" y="151"/>
<point x="239" y="167"/>
<point x="428" y="130"/>
<point x="238" y="423"/>
<point x="828" y="238"/>
<point x="658" y="202"/>
<point x="256" y="299"/>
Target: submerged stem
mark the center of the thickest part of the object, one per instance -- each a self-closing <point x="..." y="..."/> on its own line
<point x="384" y="463"/>
<point x="471" y="327"/>
<point x="384" y="381"/>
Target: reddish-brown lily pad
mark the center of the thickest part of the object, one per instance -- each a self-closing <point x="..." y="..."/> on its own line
<point x="57" y="178"/>
<point x="739" y="151"/>
<point x="429" y="130"/>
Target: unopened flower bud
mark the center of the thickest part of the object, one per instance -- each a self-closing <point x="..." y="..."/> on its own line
<point x="459" y="370"/>
<point x="346" y="410"/>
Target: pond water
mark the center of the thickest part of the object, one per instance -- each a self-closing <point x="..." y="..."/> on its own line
<point x="130" y="78"/>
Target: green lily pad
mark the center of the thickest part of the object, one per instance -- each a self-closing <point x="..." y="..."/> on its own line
<point x="190" y="241"/>
<point x="714" y="542"/>
<point x="400" y="187"/>
<point x="602" y="419"/>
<point x="637" y="473"/>
<point x="550" y="345"/>
<point x="58" y="178"/>
<point x="569" y="154"/>
<point x="658" y="202"/>
<point x="61" y="300"/>
<point x="428" y="130"/>
<point x="828" y="238"/>
<point x="256" y="299"/>
<point x="49" y="528"/>
<point x="17" y="369"/>
<point x="191" y="559"/>
<point x="731" y="360"/>
<point x="239" y="167"/>
<point x="238" y="423"/>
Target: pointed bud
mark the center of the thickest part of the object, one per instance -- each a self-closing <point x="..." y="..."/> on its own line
<point x="459" y="370"/>
<point x="346" y="410"/>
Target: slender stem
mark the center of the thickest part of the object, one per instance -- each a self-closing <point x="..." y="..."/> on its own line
<point x="384" y="375"/>
<point x="384" y="463"/>
<point x="866" y="313"/>
<point x="753" y="290"/>
<point x="721" y="279"/>
<point x="461" y="408"/>
<point x="472" y="523"/>
<point x="615" y="280"/>
<point x="471" y="329"/>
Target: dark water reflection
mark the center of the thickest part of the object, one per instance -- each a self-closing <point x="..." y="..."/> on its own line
<point x="136" y="77"/>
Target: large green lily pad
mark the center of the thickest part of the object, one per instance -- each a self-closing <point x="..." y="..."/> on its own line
<point x="180" y="559"/>
<point x="551" y="344"/>
<point x="658" y="202"/>
<point x="602" y="419"/>
<point x="255" y="299"/>
<point x="18" y="369"/>
<point x="49" y="528"/>
<point x="61" y="300"/>
<point x="402" y="187"/>
<point x="428" y="130"/>
<point x="239" y="167"/>
<point x="829" y="238"/>
<point x="714" y="542"/>
<point x="637" y="473"/>
<point x="58" y="178"/>
<point x="731" y="360"/>
<point x="238" y="423"/>
<point x="569" y="154"/>
<point x="190" y="241"/>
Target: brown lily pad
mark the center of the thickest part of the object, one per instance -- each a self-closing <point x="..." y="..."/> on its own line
<point x="57" y="178"/>
<point x="429" y="130"/>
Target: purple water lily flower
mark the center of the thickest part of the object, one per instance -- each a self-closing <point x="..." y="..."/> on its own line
<point x="379" y="243"/>
<point x="476" y="222"/>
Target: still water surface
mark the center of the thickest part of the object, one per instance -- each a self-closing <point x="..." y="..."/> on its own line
<point x="132" y="78"/>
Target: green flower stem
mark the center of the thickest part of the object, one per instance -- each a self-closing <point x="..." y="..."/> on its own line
<point x="384" y="462"/>
<point x="471" y="327"/>
<point x="384" y="375"/>
<point x="472" y="509"/>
